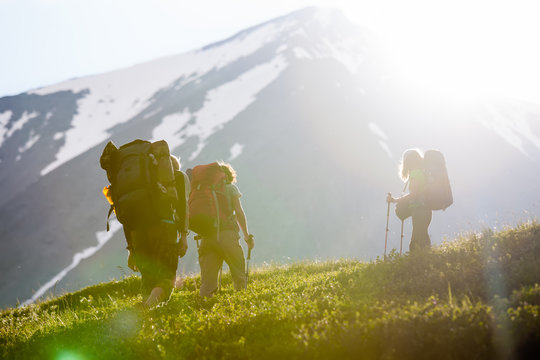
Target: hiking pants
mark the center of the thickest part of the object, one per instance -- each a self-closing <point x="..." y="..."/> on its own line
<point x="421" y="218"/>
<point x="211" y="256"/>
<point x="154" y="249"/>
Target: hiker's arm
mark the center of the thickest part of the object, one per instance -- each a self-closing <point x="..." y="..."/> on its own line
<point x="241" y="218"/>
<point x="183" y="244"/>
<point x="391" y="199"/>
<point x="187" y="190"/>
<point x="185" y="225"/>
<point x="414" y="189"/>
<point x="131" y="262"/>
<point x="131" y="258"/>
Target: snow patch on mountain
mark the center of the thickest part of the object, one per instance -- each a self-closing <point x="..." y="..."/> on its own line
<point x="31" y="141"/>
<point x="375" y="129"/>
<point x="301" y="53"/>
<point x="383" y="138"/>
<point x="102" y="237"/>
<point x="4" y="119"/>
<point x="170" y="127"/>
<point x="6" y="133"/>
<point x="343" y="51"/>
<point x="281" y="49"/>
<point x="514" y="128"/>
<point x="116" y="97"/>
<point x="221" y="105"/>
<point x="236" y="150"/>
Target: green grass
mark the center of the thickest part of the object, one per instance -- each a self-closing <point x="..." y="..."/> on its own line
<point x="477" y="297"/>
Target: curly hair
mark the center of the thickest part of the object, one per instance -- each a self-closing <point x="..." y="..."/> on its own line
<point x="411" y="159"/>
<point x="229" y="171"/>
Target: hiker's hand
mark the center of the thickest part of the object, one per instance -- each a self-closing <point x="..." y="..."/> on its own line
<point x="390" y="199"/>
<point x="250" y="241"/>
<point x="131" y="262"/>
<point x="182" y="246"/>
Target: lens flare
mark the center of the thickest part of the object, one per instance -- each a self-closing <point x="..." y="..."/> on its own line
<point x="69" y="355"/>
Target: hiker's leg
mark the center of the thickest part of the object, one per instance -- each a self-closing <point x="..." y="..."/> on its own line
<point x="158" y="262"/>
<point x="234" y="257"/>
<point x="167" y="257"/>
<point x="147" y="284"/>
<point x="155" y="297"/>
<point x="427" y="219"/>
<point x="210" y="262"/>
<point x="415" y="236"/>
<point x="139" y="238"/>
<point x="421" y="218"/>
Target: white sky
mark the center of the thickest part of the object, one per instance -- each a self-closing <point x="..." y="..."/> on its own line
<point x="461" y="46"/>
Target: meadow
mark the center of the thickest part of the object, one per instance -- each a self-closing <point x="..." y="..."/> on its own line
<point x="476" y="297"/>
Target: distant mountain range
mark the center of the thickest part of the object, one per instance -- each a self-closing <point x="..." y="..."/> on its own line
<point x="306" y="112"/>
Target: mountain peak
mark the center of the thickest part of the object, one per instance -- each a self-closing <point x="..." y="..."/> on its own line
<point x="298" y="18"/>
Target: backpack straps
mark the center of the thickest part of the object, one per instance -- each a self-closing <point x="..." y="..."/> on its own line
<point x="405" y="187"/>
<point x="111" y="209"/>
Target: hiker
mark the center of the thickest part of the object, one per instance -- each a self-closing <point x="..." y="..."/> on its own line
<point x="183" y="189"/>
<point x="414" y="203"/>
<point x="146" y="195"/>
<point x="219" y="242"/>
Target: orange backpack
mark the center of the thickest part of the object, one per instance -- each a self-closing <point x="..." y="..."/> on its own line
<point x="210" y="209"/>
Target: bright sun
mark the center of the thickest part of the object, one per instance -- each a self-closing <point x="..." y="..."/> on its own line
<point x="460" y="48"/>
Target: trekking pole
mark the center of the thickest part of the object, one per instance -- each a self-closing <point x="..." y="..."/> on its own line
<point x="401" y="241"/>
<point x="387" y="219"/>
<point x="219" y="279"/>
<point x="247" y="266"/>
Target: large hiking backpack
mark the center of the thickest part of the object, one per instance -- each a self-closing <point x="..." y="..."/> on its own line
<point x="210" y="210"/>
<point x="439" y="192"/>
<point x="142" y="181"/>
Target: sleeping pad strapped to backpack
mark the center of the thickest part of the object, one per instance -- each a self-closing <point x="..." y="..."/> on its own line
<point x="142" y="181"/>
<point x="209" y="208"/>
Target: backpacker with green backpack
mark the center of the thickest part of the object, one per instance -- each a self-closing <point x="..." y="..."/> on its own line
<point x="438" y="192"/>
<point x="142" y="180"/>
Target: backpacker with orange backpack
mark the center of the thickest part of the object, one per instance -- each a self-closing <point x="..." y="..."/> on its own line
<point x="143" y="187"/>
<point x="210" y="209"/>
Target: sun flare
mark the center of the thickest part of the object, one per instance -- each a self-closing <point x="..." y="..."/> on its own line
<point x="459" y="48"/>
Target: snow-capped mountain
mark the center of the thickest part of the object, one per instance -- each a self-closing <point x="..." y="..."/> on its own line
<point x="305" y="111"/>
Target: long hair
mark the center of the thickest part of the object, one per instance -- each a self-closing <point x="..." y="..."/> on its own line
<point x="229" y="171"/>
<point x="411" y="159"/>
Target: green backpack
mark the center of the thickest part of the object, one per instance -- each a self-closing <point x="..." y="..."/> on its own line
<point x="438" y="192"/>
<point x="143" y="188"/>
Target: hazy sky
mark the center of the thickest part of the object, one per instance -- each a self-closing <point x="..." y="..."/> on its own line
<point x="459" y="46"/>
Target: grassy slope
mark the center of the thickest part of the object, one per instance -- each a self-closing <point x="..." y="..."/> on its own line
<point x="475" y="298"/>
